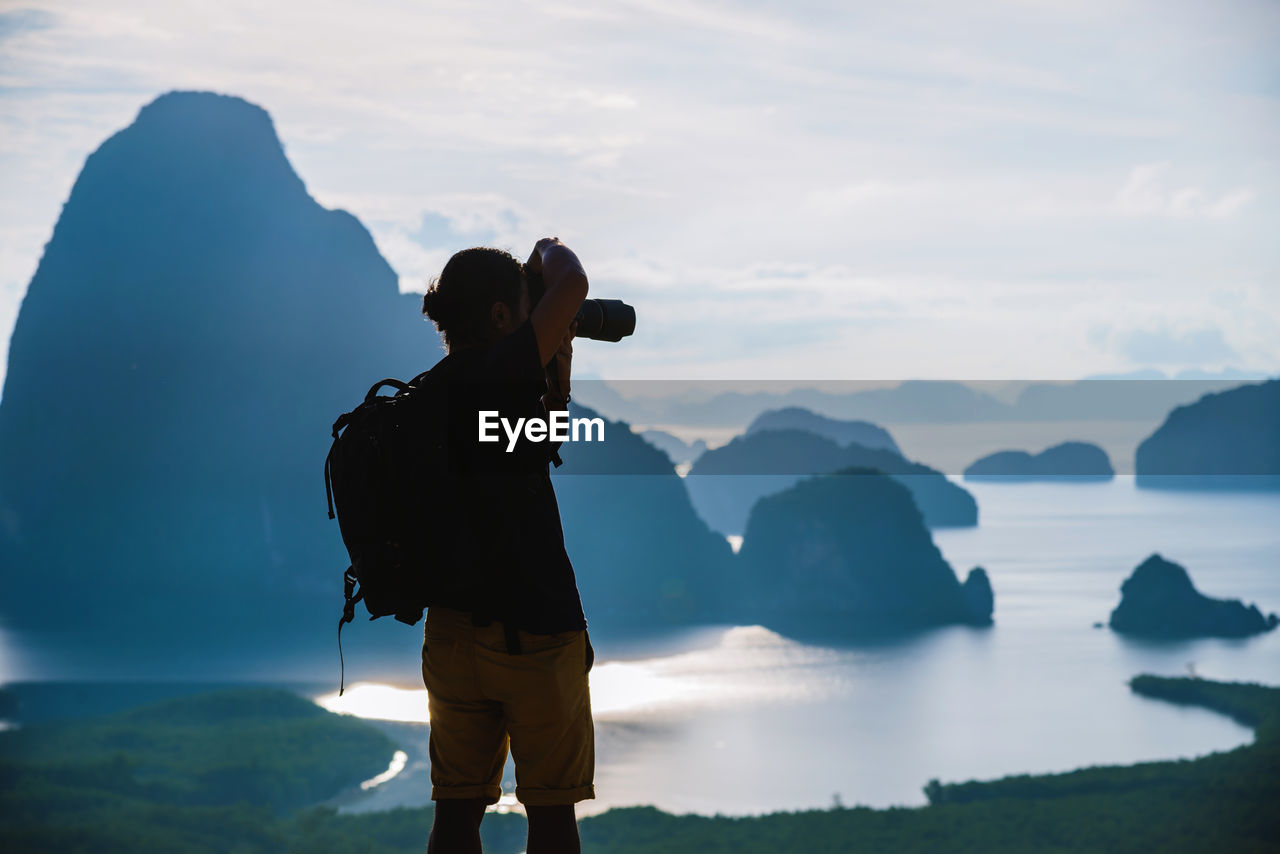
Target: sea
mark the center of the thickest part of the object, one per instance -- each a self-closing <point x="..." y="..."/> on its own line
<point x="738" y="720"/>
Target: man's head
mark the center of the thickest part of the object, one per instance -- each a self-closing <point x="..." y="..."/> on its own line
<point x="480" y="296"/>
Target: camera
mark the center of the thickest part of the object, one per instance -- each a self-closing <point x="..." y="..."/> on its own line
<point x="598" y="319"/>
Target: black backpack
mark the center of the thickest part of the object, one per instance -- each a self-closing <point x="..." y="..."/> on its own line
<point x="387" y="474"/>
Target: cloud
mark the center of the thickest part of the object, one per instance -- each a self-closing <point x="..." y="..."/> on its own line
<point x="1146" y="192"/>
<point x="606" y="100"/>
<point x="1194" y="347"/>
<point x="929" y="205"/>
<point x="1229" y="204"/>
<point x="417" y="251"/>
<point x="463" y="228"/>
<point x="20" y="21"/>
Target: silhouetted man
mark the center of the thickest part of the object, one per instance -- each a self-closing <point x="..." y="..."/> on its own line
<point x="505" y="661"/>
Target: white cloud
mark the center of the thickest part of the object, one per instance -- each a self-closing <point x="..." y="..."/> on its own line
<point x="817" y="188"/>
<point x="1230" y="203"/>
<point x="606" y="100"/>
<point x="1199" y="347"/>
<point x="1147" y="192"/>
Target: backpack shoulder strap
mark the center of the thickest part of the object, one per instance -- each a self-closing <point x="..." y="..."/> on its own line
<point x="439" y="370"/>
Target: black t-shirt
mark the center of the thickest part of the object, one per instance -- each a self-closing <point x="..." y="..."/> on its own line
<point x="509" y="544"/>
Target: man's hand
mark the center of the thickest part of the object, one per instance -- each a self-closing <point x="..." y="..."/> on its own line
<point x="534" y="264"/>
<point x="566" y="287"/>
<point x="559" y="369"/>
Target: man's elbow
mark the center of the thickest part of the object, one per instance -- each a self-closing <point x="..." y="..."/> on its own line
<point x="575" y="283"/>
<point x="564" y="269"/>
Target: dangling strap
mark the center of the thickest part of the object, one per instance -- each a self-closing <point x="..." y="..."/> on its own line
<point x="342" y="667"/>
<point x="348" y="614"/>
<point x="342" y="421"/>
<point x="328" y="488"/>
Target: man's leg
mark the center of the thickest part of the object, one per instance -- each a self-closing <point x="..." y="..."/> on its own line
<point x="456" y="829"/>
<point x="552" y="830"/>
<point x="468" y="743"/>
<point x="547" y="707"/>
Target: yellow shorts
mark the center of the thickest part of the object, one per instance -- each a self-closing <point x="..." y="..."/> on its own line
<point x="482" y="699"/>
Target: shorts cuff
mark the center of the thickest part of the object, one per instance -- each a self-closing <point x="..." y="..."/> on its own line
<point x="489" y="794"/>
<point x="554" y="797"/>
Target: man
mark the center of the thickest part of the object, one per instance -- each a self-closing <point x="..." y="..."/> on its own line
<point x="505" y="658"/>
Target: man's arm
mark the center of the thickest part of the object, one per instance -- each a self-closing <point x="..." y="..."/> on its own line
<point x="558" y="370"/>
<point x="566" y="288"/>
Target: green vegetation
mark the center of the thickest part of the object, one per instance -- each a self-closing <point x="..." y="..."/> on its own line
<point x="220" y="772"/>
<point x="400" y="831"/>
<point x="211" y="772"/>
<point x="1222" y="802"/>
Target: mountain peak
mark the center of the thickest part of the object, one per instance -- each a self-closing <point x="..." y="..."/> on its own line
<point x="188" y="149"/>
<point x="195" y="324"/>
<point x="181" y="105"/>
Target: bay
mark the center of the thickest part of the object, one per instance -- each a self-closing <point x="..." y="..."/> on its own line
<point x="744" y="721"/>
<point x="741" y="720"/>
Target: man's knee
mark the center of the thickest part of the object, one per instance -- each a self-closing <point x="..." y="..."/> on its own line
<point x="456" y="828"/>
<point x="553" y="830"/>
<point x="561" y="814"/>
<point x="460" y="812"/>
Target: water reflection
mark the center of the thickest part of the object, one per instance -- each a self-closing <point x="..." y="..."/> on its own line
<point x="378" y="702"/>
<point x="749" y="664"/>
<point x="398" y="760"/>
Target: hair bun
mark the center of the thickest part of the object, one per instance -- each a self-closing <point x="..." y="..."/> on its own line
<point x="434" y="303"/>
<point x="459" y="300"/>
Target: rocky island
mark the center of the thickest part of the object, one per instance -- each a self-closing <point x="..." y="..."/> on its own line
<point x="643" y="555"/>
<point x="725" y="482"/>
<point x="841" y="431"/>
<point x="849" y="552"/>
<point x="213" y="320"/>
<point x="1069" y="461"/>
<point x="1159" y="601"/>
<point x="1228" y="439"/>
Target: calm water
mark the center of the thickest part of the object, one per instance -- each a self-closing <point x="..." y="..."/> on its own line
<point x="746" y="721"/>
<point x="741" y="720"/>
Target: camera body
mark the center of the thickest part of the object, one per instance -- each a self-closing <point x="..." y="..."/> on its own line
<point x="598" y="319"/>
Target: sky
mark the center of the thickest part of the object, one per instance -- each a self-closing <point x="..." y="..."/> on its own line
<point x="798" y="190"/>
